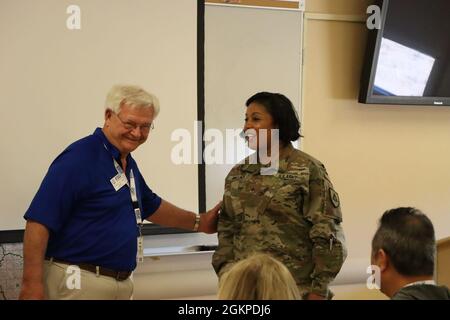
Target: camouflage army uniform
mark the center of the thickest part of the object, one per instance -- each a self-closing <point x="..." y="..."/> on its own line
<point x="294" y="215"/>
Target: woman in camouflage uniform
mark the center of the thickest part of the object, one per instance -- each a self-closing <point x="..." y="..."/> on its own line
<point x="293" y="213"/>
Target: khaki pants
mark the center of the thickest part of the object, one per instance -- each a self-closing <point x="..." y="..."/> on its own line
<point x="65" y="282"/>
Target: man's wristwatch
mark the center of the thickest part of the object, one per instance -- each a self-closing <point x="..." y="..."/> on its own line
<point x="197" y="222"/>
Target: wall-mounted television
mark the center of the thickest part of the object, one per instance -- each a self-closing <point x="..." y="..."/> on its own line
<point x="408" y="58"/>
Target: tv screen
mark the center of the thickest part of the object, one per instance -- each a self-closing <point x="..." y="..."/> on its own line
<point x="408" y="58"/>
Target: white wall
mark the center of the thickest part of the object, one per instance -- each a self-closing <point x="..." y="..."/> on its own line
<point x="53" y="83"/>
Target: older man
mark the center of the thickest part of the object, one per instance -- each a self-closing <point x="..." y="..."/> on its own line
<point x="89" y="209"/>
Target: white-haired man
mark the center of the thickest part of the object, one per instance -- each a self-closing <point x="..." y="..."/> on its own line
<point x="89" y="209"/>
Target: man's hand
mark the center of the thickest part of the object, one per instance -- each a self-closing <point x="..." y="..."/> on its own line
<point x="32" y="291"/>
<point x="208" y="220"/>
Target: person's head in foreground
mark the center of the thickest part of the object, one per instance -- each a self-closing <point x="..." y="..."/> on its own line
<point x="403" y="248"/>
<point x="258" y="277"/>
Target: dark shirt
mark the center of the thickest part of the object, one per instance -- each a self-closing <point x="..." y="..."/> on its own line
<point x="423" y="292"/>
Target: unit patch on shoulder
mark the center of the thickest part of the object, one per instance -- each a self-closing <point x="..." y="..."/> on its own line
<point x="334" y="198"/>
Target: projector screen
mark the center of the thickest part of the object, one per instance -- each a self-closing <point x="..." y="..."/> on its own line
<point x="57" y="62"/>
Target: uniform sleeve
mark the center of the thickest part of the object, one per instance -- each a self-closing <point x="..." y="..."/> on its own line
<point x="324" y="212"/>
<point x="224" y="255"/>
<point x="60" y="190"/>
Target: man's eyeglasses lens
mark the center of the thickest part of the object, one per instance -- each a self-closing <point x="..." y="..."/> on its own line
<point x="131" y="126"/>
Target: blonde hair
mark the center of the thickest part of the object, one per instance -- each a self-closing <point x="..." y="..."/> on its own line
<point x="259" y="277"/>
<point x="132" y="96"/>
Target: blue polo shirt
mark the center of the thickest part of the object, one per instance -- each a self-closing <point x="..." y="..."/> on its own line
<point x="89" y="221"/>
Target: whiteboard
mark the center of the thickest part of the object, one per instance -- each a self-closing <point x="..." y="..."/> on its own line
<point x="247" y="50"/>
<point x="54" y="80"/>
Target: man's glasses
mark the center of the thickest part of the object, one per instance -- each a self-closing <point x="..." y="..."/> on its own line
<point x="129" y="125"/>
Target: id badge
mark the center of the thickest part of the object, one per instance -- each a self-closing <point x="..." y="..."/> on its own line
<point x="140" y="245"/>
<point x="137" y="214"/>
<point x="118" y="181"/>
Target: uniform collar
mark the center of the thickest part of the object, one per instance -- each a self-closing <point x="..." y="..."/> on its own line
<point x="283" y="159"/>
